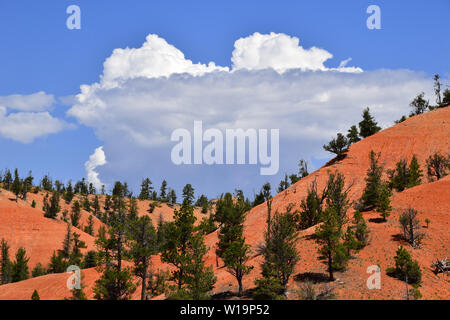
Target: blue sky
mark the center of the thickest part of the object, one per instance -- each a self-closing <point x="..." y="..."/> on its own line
<point x="38" y="53"/>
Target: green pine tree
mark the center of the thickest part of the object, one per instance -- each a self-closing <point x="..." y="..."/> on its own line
<point x="232" y="248"/>
<point x="368" y="125"/>
<point x="414" y="173"/>
<point x="353" y="135"/>
<point x="35" y="295"/>
<point x="6" y="264"/>
<point x="371" y="193"/>
<point x="143" y="245"/>
<point x="20" y="266"/>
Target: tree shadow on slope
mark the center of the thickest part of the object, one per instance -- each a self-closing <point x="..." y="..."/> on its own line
<point x="230" y="295"/>
<point x="315" y="277"/>
<point x="336" y="160"/>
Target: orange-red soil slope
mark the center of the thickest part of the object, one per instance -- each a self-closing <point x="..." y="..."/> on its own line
<point x="420" y="135"/>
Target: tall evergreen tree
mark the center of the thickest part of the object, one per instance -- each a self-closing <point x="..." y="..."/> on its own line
<point x="6" y="264"/>
<point x="437" y="90"/>
<point x="163" y="191"/>
<point x="7" y="180"/>
<point x="20" y="266"/>
<point x="280" y="257"/>
<point x="353" y="135"/>
<point x="368" y="125"/>
<point x="115" y="282"/>
<point x="311" y="207"/>
<point x="371" y="193"/>
<point x="68" y="195"/>
<point x="52" y="208"/>
<point x="188" y="194"/>
<point x="75" y="214"/>
<point x="414" y="173"/>
<point x="142" y="246"/>
<point x="76" y="255"/>
<point x="328" y="236"/>
<point x="231" y="247"/>
<point x="146" y="189"/>
<point x="17" y="185"/>
<point x="178" y="235"/>
<point x="200" y="279"/>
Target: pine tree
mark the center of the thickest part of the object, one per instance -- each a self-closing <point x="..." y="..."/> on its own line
<point x="76" y="255"/>
<point x="437" y="90"/>
<point x="446" y="97"/>
<point x="35" y="295"/>
<point x="311" y="207"/>
<point x="337" y="195"/>
<point x="143" y="245"/>
<point x="57" y="263"/>
<point x="371" y="193"/>
<point x="75" y="214"/>
<point x="7" y="180"/>
<point x="384" y="203"/>
<point x="20" y="266"/>
<point x="231" y="246"/>
<point x="411" y="226"/>
<point x="419" y="104"/>
<point x="17" y="185"/>
<point x="27" y="185"/>
<point x="302" y="169"/>
<point x="368" y="125"/>
<point x="46" y="183"/>
<point x="328" y="236"/>
<point x="414" y="173"/>
<point x="280" y="257"/>
<point x="163" y="191"/>
<point x="146" y="189"/>
<point x="406" y="268"/>
<point x="353" y="135"/>
<point x="398" y="178"/>
<point x="6" y="264"/>
<point x="338" y="145"/>
<point x="172" y="197"/>
<point x="284" y="184"/>
<point x="115" y="282"/>
<point x="96" y="207"/>
<point x="68" y="195"/>
<point x="178" y="235"/>
<point x="67" y="243"/>
<point x="38" y="270"/>
<point x="89" y="229"/>
<point x="350" y="242"/>
<point x="132" y="209"/>
<point x="200" y="279"/>
<point x="361" y="230"/>
<point x="52" y="209"/>
<point x="188" y="194"/>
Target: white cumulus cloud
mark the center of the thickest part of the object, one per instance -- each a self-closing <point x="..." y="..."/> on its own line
<point x="26" y="126"/>
<point x="280" y="52"/>
<point x="156" y="58"/>
<point x="97" y="159"/>
<point x="274" y="83"/>
<point x="38" y="101"/>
